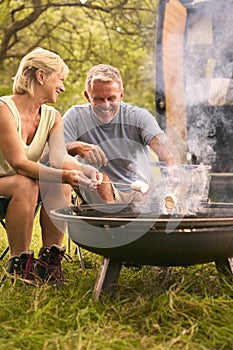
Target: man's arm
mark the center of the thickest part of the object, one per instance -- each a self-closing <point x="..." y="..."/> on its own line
<point x="165" y="150"/>
<point x="92" y="153"/>
<point x="78" y="148"/>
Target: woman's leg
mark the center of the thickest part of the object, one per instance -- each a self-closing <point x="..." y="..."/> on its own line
<point x="52" y="252"/>
<point x="53" y="197"/>
<point x="23" y="194"/>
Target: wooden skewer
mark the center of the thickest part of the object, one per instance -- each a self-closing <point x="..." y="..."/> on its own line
<point x="116" y="183"/>
<point x="221" y="174"/>
<point x="135" y="186"/>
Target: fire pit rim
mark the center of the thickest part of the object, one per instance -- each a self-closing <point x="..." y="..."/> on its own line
<point x="68" y="215"/>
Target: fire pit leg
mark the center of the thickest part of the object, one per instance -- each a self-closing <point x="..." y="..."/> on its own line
<point x="225" y="266"/>
<point x="107" y="277"/>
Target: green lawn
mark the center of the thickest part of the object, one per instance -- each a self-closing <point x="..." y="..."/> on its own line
<point x="154" y="308"/>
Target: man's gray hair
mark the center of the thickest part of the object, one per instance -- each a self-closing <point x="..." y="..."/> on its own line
<point x="103" y="73"/>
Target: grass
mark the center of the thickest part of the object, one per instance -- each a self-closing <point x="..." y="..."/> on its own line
<point x="154" y="309"/>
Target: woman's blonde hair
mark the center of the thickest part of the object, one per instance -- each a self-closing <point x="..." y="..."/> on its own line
<point x="48" y="61"/>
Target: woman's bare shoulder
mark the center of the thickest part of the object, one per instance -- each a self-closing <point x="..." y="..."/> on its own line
<point x="4" y="107"/>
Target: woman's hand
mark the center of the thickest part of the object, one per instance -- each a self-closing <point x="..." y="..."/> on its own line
<point x="87" y="176"/>
<point x="92" y="173"/>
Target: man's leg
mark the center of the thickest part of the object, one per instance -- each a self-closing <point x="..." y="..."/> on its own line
<point x="103" y="194"/>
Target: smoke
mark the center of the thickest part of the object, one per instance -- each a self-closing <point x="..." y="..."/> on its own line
<point x="202" y="138"/>
<point x="208" y="73"/>
<point x="186" y="185"/>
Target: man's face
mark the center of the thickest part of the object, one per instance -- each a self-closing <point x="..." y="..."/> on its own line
<point x="104" y="98"/>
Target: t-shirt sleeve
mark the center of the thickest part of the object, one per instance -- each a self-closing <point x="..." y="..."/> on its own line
<point x="70" y="125"/>
<point x="149" y="126"/>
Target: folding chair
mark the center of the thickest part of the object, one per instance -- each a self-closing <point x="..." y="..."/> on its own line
<point x="3" y="207"/>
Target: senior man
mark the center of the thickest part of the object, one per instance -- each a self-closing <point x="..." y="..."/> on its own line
<point x="115" y="137"/>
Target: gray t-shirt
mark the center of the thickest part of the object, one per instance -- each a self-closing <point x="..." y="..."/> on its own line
<point x="124" y="140"/>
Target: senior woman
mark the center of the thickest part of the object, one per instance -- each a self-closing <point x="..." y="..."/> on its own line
<point x="27" y="124"/>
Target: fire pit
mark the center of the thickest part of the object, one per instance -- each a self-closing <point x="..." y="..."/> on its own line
<point x="120" y="234"/>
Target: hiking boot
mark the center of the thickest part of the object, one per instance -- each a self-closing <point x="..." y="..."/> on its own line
<point x="49" y="268"/>
<point x="22" y="267"/>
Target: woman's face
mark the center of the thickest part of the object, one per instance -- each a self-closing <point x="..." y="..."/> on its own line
<point x="53" y="85"/>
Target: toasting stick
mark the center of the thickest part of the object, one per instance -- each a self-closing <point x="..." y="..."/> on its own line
<point x="138" y="186"/>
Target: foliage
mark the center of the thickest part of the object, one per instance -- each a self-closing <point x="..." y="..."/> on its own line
<point x="154" y="308"/>
<point x="84" y="33"/>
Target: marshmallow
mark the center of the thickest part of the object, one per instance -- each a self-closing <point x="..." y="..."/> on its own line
<point x="170" y="201"/>
<point x="139" y="186"/>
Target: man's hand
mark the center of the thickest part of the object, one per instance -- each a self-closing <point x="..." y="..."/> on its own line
<point x="96" y="156"/>
<point x="92" y="153"/>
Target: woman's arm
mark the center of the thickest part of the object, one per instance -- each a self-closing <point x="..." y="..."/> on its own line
<point x="14" y="153"/>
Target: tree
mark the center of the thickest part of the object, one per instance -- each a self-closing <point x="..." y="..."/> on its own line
<point x="84" y="33"/>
